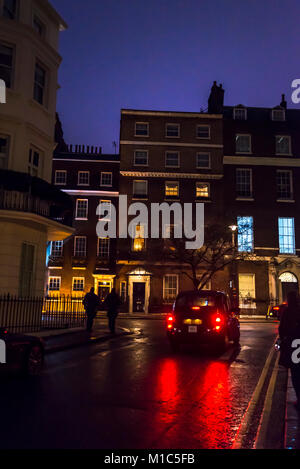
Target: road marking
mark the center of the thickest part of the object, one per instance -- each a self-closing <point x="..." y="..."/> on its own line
<point x="265" y="416"/>
<point x="246" y="420"/>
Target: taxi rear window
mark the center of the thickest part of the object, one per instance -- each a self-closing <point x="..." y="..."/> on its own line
<point x="195" y="300"/>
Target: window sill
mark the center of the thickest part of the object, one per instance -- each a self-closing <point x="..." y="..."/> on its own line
<point x="172" y="136"/>
<point x="39" y="106"/>
<point x="284" y="154"/>
<point x="134" y="197"/>
<point x="171" y="199"/>
<point x="81" y="219"/>
<point x="203" y="138"/>
<point x="245" y="199"/>
<point x="204" y="199"/>
<point x="243" y="153"/>
<point x="142" y="136"/>
<point x="291" y="201"/>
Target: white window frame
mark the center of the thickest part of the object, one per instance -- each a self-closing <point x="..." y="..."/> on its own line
<point x="174" y="125"/>
<point x="83" y="183"/>
<point x="293" y="244"/>
<point x="198" y="183"/>
<point x="36" y="19"/>
<point x="172" y="152"/>
<point x="290" y="173"/>
<point x="203" y="126"/>
<point x="140" y="196"/>
<point x="87" y="209"/>
<point x="172" y="182"/>
<point x="107" y="250"/>
<point x="251" y="304"/>
<point x="82" y="280"/>
<point x="123" y="290"/>
<point x="249" y="170"/>
<point x="290" y="145"/>
<point x="250" y="144"/>
<point x="45" y="87"/>
<point x="209" y="160"/>
<point x="238" y="109"/>
<point x="55" y="177"/>
<point x="141" y="123"/>
<point x="101" y="178"/>
<point x="75" y="243"/>
<point x="34" y="170"/>
<point x="282" y="111"/>
<point x="52" y="277"/>
<point x="5" y="156"/>
<point x="108" y="215"/>
<point x="141" y="164"/>
<point x="142" y="229"/>
<point x="169" y="298"/>
<point x="12" y="67"/>
<point x="61" y="249"/>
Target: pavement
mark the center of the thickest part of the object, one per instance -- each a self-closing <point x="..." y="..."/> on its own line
<point x="292" y="419"/>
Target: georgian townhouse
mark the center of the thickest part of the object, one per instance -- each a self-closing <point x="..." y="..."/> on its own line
<point x="84" y="260"/>
<point x="262" y="197"/>
<point x="165" y="157"/>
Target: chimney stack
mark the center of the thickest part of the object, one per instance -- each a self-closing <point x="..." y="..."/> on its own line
<point x="283" y="101"/>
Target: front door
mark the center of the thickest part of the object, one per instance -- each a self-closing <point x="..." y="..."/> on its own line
<point x="138" y="297"/>
<point x="287" y="287"/>
<point x="103" y="291"/>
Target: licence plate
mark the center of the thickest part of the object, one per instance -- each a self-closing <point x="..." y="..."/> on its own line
<point x="192" y="329"/>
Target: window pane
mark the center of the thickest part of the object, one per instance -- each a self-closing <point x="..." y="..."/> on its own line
<point x="106" y="179"/>
<point x="39" y="84"/>
<point x="240" y="114"/>
<point x="172" y="189"/>
<point x="284" y="186"/>
<point x="170" y="287"/>
<point x="103" y="247"/>
<point x="202" y="190"/>
<point x="245" y="234"/>
<point x="10" y="9"/>
<point x="141" y="158"/>
<point x="172" y="159"/>
<point x="203" y="160"/>
<point x="243" y="183"/>
<point x="56" y="248"/>
<point x="139" y="188"/>
<point x="83" y="178"/>
<point x="4" y="151"/>
<point x="243" y="143"/>
<point x="82" y="209"/>
<point x="80" y="246"/>
<point x="141" y="129"/>
<point x="78" y="284"/>
<point x="283" y="145"/>
<point x="172" y="130"/>
<point x="60" y="177"/>
<point x="286" y="233"/>
<point x="6" y="61"/>
<point x="203" y="131"/>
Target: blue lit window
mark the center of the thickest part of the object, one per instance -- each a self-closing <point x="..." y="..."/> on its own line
<point x="245" y="234"/>
<point x="286" y="231"/>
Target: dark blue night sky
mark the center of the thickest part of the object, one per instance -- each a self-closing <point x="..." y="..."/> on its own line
<point x="165" y="54"/>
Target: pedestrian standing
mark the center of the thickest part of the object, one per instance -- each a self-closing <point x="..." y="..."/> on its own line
<point x="289" y="330"/>
<point x="112" y="303"/>
<point x="91" y="305"/>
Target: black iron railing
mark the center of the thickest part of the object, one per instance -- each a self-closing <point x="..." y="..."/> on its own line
<point x="35" y="314"/>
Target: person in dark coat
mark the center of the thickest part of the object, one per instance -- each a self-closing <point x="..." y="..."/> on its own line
<point x="289" y="330"/>
<point x="91" y="305"/>
<point x="112" y="303"/>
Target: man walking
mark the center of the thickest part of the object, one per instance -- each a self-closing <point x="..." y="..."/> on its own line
<point x="112" y="303"/>
<point x="91" y="305"/>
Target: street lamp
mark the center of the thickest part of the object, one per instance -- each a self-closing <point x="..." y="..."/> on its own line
<point x="233" y="229"/>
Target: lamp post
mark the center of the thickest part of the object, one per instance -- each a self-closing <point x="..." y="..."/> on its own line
<point x="234" y="289"/>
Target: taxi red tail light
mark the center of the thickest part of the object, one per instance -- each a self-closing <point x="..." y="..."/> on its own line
<point x="196" y="308"/>
<point x="170" y="321"/>
<point x="217" y="322"/>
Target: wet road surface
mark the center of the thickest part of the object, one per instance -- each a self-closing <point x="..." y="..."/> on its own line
<point x="133" y="392"/>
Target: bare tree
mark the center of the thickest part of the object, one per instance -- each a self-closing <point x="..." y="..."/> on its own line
<point x="200" y="265"/>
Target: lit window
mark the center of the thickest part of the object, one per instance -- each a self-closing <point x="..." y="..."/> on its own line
<point x="142" y="129"/>
<point x="39" y="84"/>
<point x="103" y="248"/>
<point x="140" y="189"/>
<point x="245" y="234"/>
<point x="244" y="182"/>
<point x="278" y="115"/>
<point x="83" y="178"/>
<point x="203" y="160"/>
<point x="203" y="131"/>
<point x="80" y="246"/>
<point x="60" y="178"/>
<point x="283" y="145"/>
<point x="57" y="248"/>
<point x="172" y="189"/>
<point x="123" y="291"/>
<point x="106" y="179"/>
<point x="6" y="64"/>
<point x="247" y="291"/>
<point x="202" y="190"/>
<point x="34" y="162"/>
<point x="139" y="242"/>
<point x="242" y="143"/>
<point x="240" y="114"/>
<point x="284" y="184"/>
<point x="170" y="287"/>
<point x="54" y="283"/>
<point x="78" y="284"/>
<point x="141" y="158"/>
<point x="81" y="209"/>
<point x="4" y="151"/>
<point x="106" y="209"/>
<point x="10" y="9"/>
<point x="172" y="159"/>
<point x="172" y="130"/>
<point x="286" y="231"/>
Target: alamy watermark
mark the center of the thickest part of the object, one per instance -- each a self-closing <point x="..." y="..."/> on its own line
<point x="188" y="221"/>
<point x="2" y="92"/>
